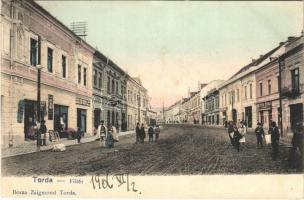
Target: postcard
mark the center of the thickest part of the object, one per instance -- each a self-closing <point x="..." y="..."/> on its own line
<point x="152" y="99"/>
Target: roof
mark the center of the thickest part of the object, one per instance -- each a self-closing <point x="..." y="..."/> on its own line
<point x="44" y="11"/>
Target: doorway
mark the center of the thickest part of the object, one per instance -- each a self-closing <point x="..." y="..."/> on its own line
<point x="60" y="118"/>
<point x="296" y="114"/>
<point x="248" y="116"/>
<point x="82" y="119"/>
<point x="234" y="115"/>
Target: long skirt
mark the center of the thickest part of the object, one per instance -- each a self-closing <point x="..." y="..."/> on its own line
<point x="109" y="141"/>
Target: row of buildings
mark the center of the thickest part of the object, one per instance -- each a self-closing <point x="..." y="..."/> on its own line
<point x="269" y="88"/>
<point x="79" y="85"/>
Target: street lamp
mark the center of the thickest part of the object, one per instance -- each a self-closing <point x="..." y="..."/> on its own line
<point x="38" y="103"/>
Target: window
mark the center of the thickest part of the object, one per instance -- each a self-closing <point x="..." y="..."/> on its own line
<point x="295" y="80"/>
<point x="79" y="74"/>
<point x="269" y="86"/>
<point x="50" y="59"/>
<point x="113" y="86"/>
<point x="85" y="76"/>
<point x="117" y="88"/>
<point x="109" y="85"/>
<point x="34" y="52"/>
<point x="100" y="80"/>
<point x="95" y="77"/>
<point x="250" y="90"/>
<point x="245" y="90"/>
<point x="63" y="65"/>
<point x="261" y="89"/>
<point x="225" y="100"/>
<point x="238" y="95"/>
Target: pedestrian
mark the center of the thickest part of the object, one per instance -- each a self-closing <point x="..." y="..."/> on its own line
<point x="137" y="132"/>
<point x="259" y="131"/>
<point x="109" y="137"/>
<point x="296" y="152"/>
<point x="101" y="133"/>
<point x="157" y="132"/>
<point x="78" y="134"/>
<point x="230" y="132"/>
<point x="275" y="138"/>
<point x="236" y="137"/>
<point x="242" y="130"/>
<point x="150" y="132"/>
<point x="43" y="131"/>
<point x="142" y="133"/>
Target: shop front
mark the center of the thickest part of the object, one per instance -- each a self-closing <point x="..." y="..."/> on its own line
<point x="31" y="117"/>
<point x="61" y="116"/>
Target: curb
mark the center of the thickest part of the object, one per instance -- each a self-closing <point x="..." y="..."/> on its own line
<point x="50" y="145"/>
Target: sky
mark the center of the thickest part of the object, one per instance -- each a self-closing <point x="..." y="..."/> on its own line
<point x="173" y="46"/>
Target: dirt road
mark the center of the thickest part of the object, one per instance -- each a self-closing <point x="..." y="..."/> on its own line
<point x="182" y="149"/>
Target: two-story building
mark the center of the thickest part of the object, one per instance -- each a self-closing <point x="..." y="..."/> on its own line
<point x="109" y="92"/>
<point x="33" y="39"/>
<point x="292" y="82"/>
<point x="137" y="103"/>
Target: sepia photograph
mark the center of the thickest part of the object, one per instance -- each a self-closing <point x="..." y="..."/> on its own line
<point x="104" y="95"/>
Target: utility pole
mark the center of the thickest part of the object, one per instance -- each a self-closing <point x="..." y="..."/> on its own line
<point x="280" y="94"/>
<point x="38" y="103"/>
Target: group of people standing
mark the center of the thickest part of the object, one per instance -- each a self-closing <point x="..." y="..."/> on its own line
<point x="141" y="133"/>
<point x="237" y="136"/>
<point x="107" y="135"/>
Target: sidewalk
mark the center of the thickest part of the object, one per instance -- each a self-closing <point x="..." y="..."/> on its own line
<point x="30" y="146"/>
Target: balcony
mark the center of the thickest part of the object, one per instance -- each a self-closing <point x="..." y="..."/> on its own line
<point x="290" y="92"/>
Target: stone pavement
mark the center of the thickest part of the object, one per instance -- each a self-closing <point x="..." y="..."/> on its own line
<point x="30" y="146"/>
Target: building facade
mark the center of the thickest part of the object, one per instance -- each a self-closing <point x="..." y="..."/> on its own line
<point x="109" y="92"/>
<point x="33" y="39"/>
<point x="195" y="108"/>
<point x="137" y="103"/>
<point x="292" y="83"/>
<point x="238" y="100"/>
<point x="205" y="89"/>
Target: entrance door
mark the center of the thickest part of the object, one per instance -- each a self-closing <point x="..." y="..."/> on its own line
<point x="96" y="117"/>
<point x="60" y="118"/>
<point x="29" y="118"/>
<point x="234" y="115"/>
<point x="296" y="114"/>
<point x="82" y="119"/>
<point x="248" y="116"/>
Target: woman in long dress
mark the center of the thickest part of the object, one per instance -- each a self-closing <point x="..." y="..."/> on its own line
<point x="242" y="130"/>
<point x="109" y="137"/>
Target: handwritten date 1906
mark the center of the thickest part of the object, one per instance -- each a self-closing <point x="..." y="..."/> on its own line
<point x="110" y="181"/>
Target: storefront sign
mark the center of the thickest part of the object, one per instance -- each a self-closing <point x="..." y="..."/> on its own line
<point x="83" y="102"/>
<point x="265" y="105"/>
<point x="50" y="107"/>
<point x="20" y="111"/>
<point x="43" y="107"/>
